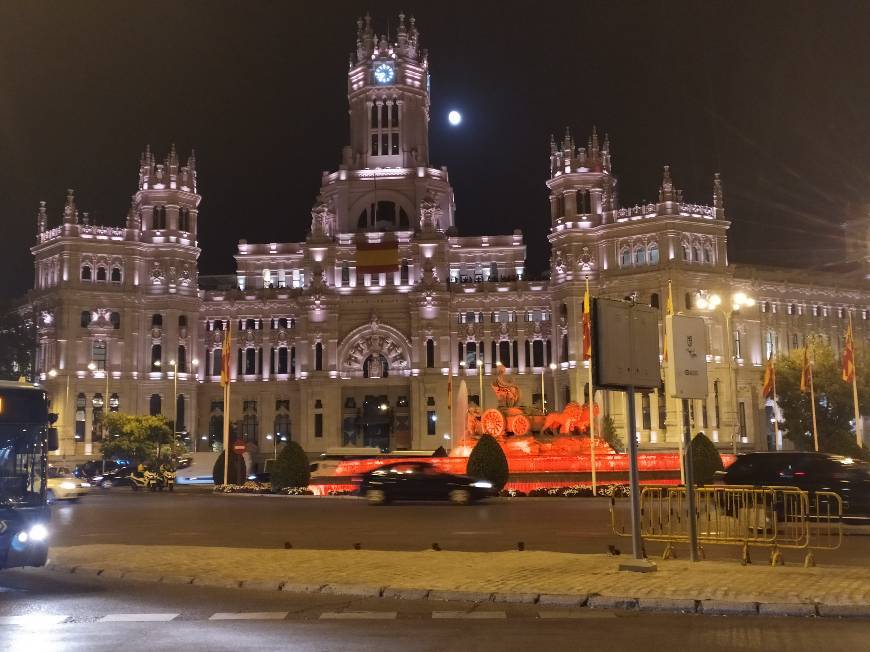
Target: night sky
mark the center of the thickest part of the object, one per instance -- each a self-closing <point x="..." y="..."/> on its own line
<point x="773" y="95"/>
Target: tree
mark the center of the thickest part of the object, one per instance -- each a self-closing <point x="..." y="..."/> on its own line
<point x="235" y="472"/>
<point x="17" y="344"/>
<point x="608" y="433"/>
<point x="834" y="408"/>
<point x="137" y="438"/>
<point x="488" y="461"/>
<point x="291" y="468"/>
<point x="705" y="459"/>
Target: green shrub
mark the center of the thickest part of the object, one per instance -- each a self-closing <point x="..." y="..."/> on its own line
<point x="705" y="459"/>
<point x="488" y="462"/>
<point x="608" y="433"/>
<point x="439" y="452"/>
<point x="291" y="468"/>
<point x="235" y="472"/>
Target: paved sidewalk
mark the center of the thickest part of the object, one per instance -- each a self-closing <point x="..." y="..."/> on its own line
<point x="500" y="576"/>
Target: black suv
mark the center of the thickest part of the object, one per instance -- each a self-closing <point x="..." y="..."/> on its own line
<point x="808" y="471"/>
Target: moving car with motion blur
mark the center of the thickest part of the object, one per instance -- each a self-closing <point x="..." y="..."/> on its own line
<point x="421" y="481"/>
<point x="807" y="471"/>
<point x="63" y="485"/>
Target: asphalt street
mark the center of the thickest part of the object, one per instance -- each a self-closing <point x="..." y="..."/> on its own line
<point x="45" y="610"/>
<point x="197" y="517"/>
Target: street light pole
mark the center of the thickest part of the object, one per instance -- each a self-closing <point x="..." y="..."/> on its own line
<point x="543" y="394"/>
<point x="553" y="366"/>
<point x="480" y="378"/>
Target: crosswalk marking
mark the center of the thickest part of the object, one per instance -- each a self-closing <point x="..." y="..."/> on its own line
<point x="588" y="613"/>
<point x="137" y="618"/>
<point x="250" y="615"/>
<point x="33" y="619"/>
<point x="474" y="615"/>
<point x="358" y="615"/>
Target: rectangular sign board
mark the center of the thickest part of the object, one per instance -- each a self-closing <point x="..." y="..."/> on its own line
<point x="687" y="362"/>
<point x="625" y="341"/>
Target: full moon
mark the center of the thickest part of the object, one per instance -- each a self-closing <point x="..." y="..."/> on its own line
<point x="454" y="117"/>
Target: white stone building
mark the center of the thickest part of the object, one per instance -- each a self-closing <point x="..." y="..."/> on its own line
<point x="347" y="338"/>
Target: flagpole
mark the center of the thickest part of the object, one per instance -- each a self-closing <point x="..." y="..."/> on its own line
<point x="669" y="310"/>
<point x="778" y="434"/>
<point x="225" y="364"/>
<point x="859" y="428"/>
<point x="591" y="400"/>
<point x="813" y="405"/>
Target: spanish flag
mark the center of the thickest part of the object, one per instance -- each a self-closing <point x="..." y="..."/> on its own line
<point x="806" y="371"/>
<point x="669" y="310"/>
<point x="226" y="354"/>
<point x="377" y="257"/>
<point x="769" y="379"/>
<point x="849" y="356"/>
<point x="587" y="327"/>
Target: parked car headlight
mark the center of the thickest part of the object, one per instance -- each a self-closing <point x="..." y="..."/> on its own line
<point x="67" y="485"/>
<point x="482" y="484"/>
<point x="38" y="532"/>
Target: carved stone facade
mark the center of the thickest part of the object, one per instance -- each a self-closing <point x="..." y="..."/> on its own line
<point x="332" y="346"/>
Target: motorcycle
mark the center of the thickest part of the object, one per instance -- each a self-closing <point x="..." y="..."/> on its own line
<point x="148" y="480"/>
<point x="168" y="480"/>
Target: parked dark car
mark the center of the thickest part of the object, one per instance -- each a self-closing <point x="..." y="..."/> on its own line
<point x="420" y="481"/>
<point x="808" y="471"/>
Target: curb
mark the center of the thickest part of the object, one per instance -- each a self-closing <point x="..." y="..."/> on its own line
<point x="576" y="601"/>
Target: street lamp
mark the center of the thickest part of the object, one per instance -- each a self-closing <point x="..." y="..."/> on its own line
<point x="713" y="302"/>
<point x="480" y="378"/>
<point x="553" y="367"/>
<point x="52" y="373"/>
<point x="543" y="392"/>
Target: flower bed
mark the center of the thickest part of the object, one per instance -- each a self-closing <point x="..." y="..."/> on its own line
<point x="575" y="491"/>
<point x="251" y="487"/>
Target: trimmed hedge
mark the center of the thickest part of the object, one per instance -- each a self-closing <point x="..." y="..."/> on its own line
<point x="291" y="468"/>
<point x="235" y="472"/>
<point x="705" y="459"/>
<point x="488" y="462"/>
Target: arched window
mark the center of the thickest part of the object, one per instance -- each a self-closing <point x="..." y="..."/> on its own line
<point x="688" y="300"/>
<point x="86" y="272"/>
<point x="217" y="361"/>
<point x="156" y="320"/>
<point x="318" y="357"/>
<point x="624" y="257"/>
<point x="85" y="318"/>
<point x="184" y="219"/>
<point x="504" y="353"/>
<point x="155" y="405"/>
<point x="345" y="274"/>
<point x="383" y="216"/>
<point x="283" y="359"/>
<point x="115" y="318"/>
<point x="374" y="121"/>
<point x="708" y="254"/>
<point x="181" y="361"/>
<point x="563" y="354"/>
<point x="116" y="275"/>
<point x="654" y="300"/>
<point x="182" y="321"/>
<point x="404" y="273"/>
<point x="687" y="256"/>
<point x="538" y="353"/>
<point x="101" y="273"/>
<point x="639" y="256"/>
<point x="250" y="361"/>
<point x="376" y="366"/>
<point x="470" y="355"/>
<point x="159" y="221"/>
<point x="156" y="355"/>
<point x="430" y="354"/>
<point x="179" y="410"/>
<point x="563" y="311"/>
<point x="652" y="254"/>
<point x="697" y="253"/>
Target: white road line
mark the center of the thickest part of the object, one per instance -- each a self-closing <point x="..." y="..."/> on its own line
<point x="587" y="613"/>
<point x="473" y="615"/>
<point x="137" y="618"/>
<point x="33" y="620"/>
<point x="358" y="615"/>
<point x="250" y="615"/>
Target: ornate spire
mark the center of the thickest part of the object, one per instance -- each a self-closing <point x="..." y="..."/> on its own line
<point x="69" y="209"/>
<point x="718" y="198"/>
<point x="41" y="218"/>
<point x="133" y="221"/>
<point x="666" y="191"/>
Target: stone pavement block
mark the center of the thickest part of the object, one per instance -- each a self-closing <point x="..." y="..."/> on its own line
<point x="405" y="594"/>
<point x="291" y="587"/>
<point x="460" y="596"/>
<point x="556" y="600"/>
<point x="515" y="598"/>
<point x="112" y="574"/>
<point x="262" y="585"/>
<point x="216" y="581"/>
<point x="177" y="579"/>
<point x="87" y="570"/>
<point x="611" y="602"/>
<point x="727" y="608"/>
<point x="667" y="604"/>
<point x="844" y="610"/>
<point x="803" y="609"/>
<point x="62" y="568"/>
<point x="355" y="590"/>
<point x="137" y="576"/>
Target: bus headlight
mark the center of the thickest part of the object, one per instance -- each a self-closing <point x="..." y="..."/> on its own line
<point x="37" y="533"/>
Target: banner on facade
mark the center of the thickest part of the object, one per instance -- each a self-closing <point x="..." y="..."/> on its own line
<point x="377" y="257"/>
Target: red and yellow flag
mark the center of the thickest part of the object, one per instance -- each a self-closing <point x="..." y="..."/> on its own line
<point x="377" y="257"/>
<point x="769" y="379"/>
<point x="587" y="327"/>
<point x="849" y="356"/>
<point x="669" y="310"/>
<point x="806" y="371"/>
<point x="225" y="357"/>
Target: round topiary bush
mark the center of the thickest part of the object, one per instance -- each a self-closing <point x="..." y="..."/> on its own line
<point x="235" y="472"/>
<point x="439" y="452"/>
<point x="488" y="462"/>
<point x="291" y="468"/>
<point x="705" y="459"/>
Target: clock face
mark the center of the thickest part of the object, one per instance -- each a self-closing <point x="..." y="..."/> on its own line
<point x="384" y="73"/>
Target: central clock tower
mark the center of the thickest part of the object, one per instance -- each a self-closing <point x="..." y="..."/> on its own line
<point x="388" y="93"/>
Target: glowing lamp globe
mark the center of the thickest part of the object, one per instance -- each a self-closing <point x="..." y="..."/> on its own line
<point x="454" y="117"/>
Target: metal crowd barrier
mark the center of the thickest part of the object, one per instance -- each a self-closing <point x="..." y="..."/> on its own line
<point x="773" y="517"/>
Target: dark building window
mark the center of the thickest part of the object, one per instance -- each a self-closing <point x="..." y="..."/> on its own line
<point x="430" y="354"/>
<point x="156" y="320"/>
<point x="318" y="357"/>
<point x="85" y="318"/>
<point x="101" y="273"/>
<point x="318" y="425"/>
<point x="156" y="357"/>
<point x="250" y="362"/>
<point x="538" y="353"/>
<point x="431" y="422"/>
<point x="282" y="360"/>
<point x="181" y="362"/>
<point x="654" y="300"/>
<point x="154" y="405"/>
<point x="86" y="272"/>
<point x="646" y="411"/>
<point x="115" y="319"/>
<point x="179" y="407"/>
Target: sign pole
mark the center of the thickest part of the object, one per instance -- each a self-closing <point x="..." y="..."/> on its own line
<point x="634" y="479"/>
<point x="591" y="404"/>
